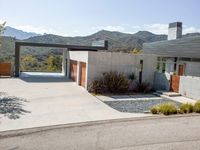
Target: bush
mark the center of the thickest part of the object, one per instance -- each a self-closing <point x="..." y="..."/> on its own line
<point x="197" y="107"/>
<point x="143" y="87"/>
<point x="186" y="108"/>
<point x="111" y="82"/>
<point x="154" y="110"/>
<point x="96" y="87"/>
<point x="132" y="77"/>
<point x="165" y="108"/>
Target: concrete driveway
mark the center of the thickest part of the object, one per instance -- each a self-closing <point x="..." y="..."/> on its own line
<point x="53" y="101"/>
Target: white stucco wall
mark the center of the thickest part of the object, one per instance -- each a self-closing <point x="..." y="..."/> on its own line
<point x="99" y="62"/>
<point x="190" y="87"/>
<point x="192" y="69"/>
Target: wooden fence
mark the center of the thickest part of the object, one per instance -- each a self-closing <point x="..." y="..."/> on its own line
<point x="5" y="69"/>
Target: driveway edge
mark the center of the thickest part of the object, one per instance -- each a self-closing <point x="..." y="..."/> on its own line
<point x="20" y="132"/>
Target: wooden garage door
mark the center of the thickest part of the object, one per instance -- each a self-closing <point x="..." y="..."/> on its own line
<point x="174" y="85"/>
<point x="5" y="69"/>
<point x="82" y="74"/>
<point x="73" y="70"/>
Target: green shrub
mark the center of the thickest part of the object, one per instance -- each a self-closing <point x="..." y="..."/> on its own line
<point x="197" y="107"/>
<point x="186" y="108"/>
<point x="168" y="108"/>
<point x="111" y="82"/>
<point x="154" y="110"/>
<point x="165" y="108"/>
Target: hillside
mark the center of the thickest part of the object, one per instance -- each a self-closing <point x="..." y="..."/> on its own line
<point x="19" y="34"/>
<point x="117" y="42"/>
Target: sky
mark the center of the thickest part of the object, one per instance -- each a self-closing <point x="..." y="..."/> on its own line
<point x="85" y="17"/>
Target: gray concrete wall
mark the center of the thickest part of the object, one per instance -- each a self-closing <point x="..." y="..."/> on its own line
<point x="162" y="81"/>
<point x="99" y="62"/>
<point x="190" y="87"/>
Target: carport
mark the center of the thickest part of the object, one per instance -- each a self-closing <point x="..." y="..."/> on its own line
<point x="67" y="64"/>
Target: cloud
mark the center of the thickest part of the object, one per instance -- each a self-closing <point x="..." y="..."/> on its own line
<point x="156" y="28"/>
<point x="190" y="30"/>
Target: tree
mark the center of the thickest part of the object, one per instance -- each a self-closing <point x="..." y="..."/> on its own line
<point x="29" y="63"/>
<point x="2" y="26"/>
<point x="54" y="63"/>
<point x="136" y="51"/>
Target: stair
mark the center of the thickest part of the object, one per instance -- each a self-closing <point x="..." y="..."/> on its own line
<point x="170" y="94"/>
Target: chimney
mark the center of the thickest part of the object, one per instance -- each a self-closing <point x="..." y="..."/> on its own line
<point x="175" y="31"/>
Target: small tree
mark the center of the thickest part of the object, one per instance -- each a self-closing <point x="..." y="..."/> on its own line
<point x="2" y="27"/>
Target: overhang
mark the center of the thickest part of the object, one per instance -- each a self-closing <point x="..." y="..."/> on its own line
<point x="185" y="47"/>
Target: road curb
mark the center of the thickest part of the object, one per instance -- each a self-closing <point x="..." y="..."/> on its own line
<point x="20" y="132"/>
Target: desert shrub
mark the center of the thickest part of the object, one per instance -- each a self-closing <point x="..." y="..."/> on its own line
<point x="132" y="77"/>
<point x="111" y="82"/>
<point x="154" y="110"/>
<point x="143" y="87"/>
<point x="197" y="107"/>
<point x="168" y="108"/>
<point x="96" y="87"/>
<point x="115" y="82"/>
<point x="165" y="108"/>
<point x="186" y="108"/>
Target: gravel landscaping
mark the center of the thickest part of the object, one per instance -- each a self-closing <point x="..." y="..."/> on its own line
<point x="136" y="106"/>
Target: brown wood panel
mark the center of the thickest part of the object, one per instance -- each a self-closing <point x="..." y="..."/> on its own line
<point x="5" y="69"/>
<point x="73" y="70"/>
<point x="82" y="74"/>
<point x="181" y="70"/>
<point x="174" y="85"/>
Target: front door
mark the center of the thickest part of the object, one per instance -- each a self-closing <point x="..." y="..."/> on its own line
<point x="181" y="70"/>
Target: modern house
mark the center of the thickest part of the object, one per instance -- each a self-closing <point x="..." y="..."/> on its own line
<point x="178" y="62"/>
<point x="83" y="64"/>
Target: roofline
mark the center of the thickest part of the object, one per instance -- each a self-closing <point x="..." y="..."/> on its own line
<point x="165" y="41"/>
<point x="70" y="47"/>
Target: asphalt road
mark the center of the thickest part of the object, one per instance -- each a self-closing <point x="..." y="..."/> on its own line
<point x="173" y="133"/>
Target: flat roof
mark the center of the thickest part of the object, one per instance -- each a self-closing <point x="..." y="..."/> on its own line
<point x="70" y="47"/>
<point x="188" y="47"/>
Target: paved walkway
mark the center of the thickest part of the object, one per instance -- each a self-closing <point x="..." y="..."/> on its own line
<point x="51" y="101"/>
<point x="177" y="98"/>
<point x="128" y="97"/>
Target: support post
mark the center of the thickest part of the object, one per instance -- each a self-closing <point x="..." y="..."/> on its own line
<point x="64" y="63"/>
<point x="17" y="59"/>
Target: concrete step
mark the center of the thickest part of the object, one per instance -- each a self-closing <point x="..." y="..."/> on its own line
<point x="170" y="94"/>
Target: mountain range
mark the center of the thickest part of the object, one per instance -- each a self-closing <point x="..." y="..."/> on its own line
<point x="117" y="41"/>
<point x="18" y="34"/>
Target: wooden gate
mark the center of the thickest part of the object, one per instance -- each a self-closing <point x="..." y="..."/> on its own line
<point x="82" y="74"/>
<point x="73" y="70"/>
<point x="174" y="83"/>
<point x="5" y="69"/>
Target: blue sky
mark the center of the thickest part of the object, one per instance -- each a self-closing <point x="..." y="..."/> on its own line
<point x="84" y="17"/>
